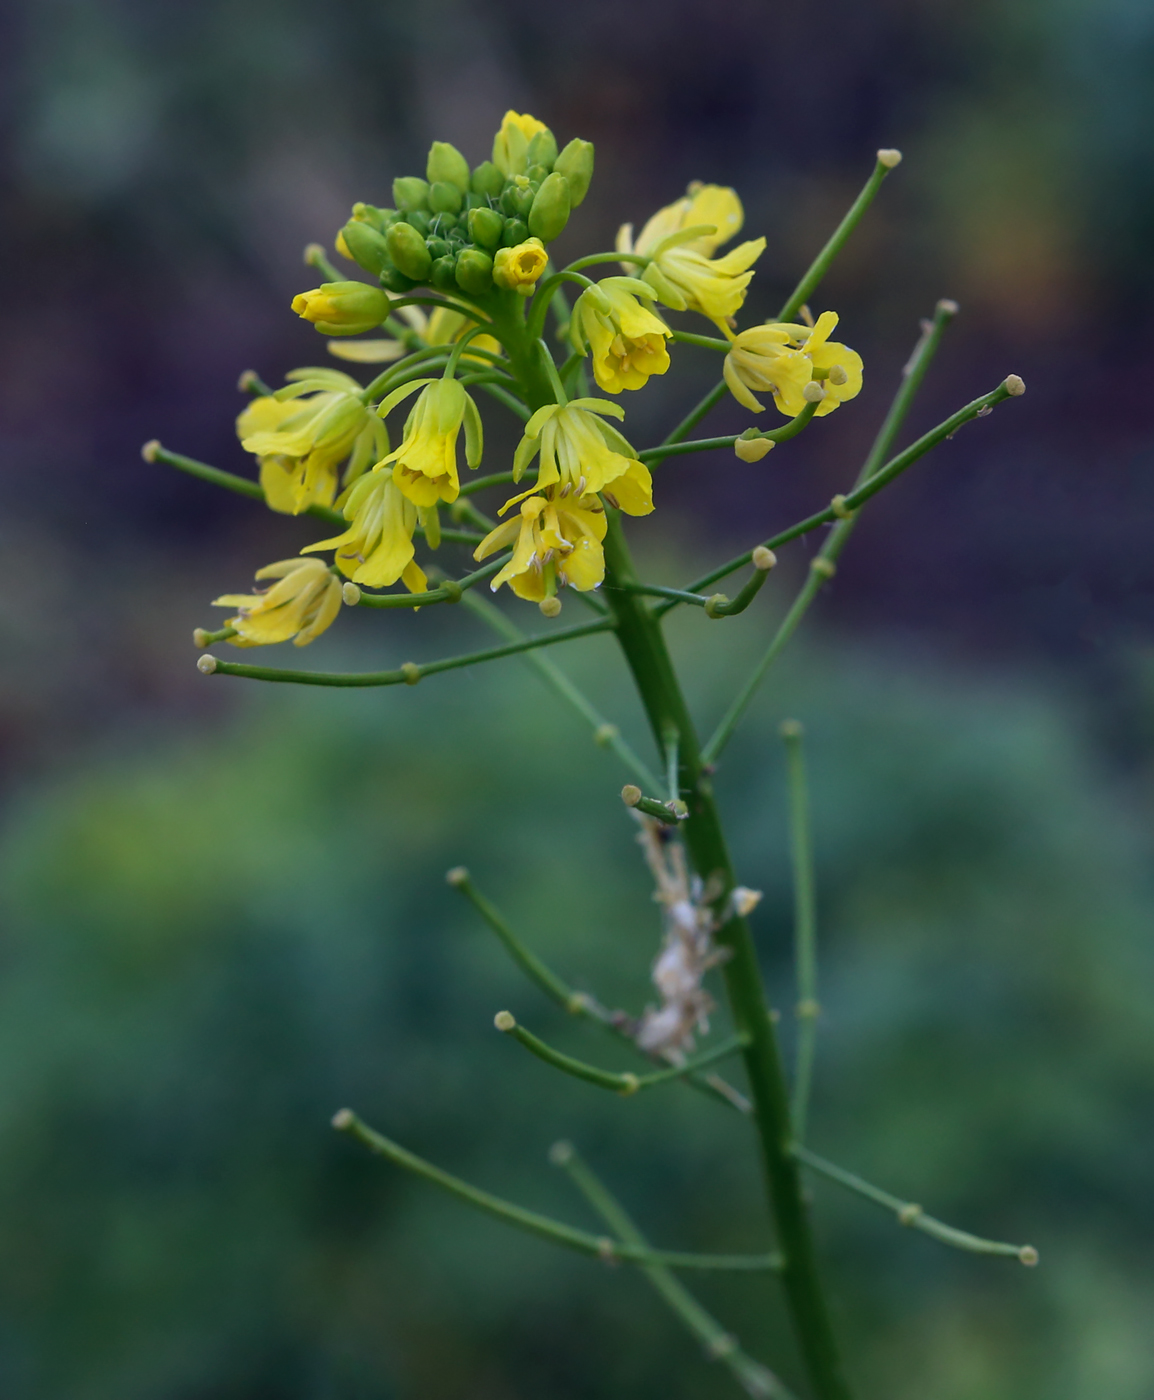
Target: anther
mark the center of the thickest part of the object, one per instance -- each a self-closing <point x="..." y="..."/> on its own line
<point x="411" y="672"/>
<point x="150" y="449"/>
<point x="1014" y="385"/>
<point x="888" y="157"/>
<point x="550" y="607"/>
<point x="561" y="1154"/>
<point x="343" y="1119"/>
<point x="458" y="876"/>
<point x="199" y="637"/>
<point x="909" y="1213"/>
<point x="504" y="1020"/>
<point x="813" y="392"/>
<point x="825" y="567"/>
<point x="351" y="594"/>
<point x="763" y="559"/>
<point x="206" y="665"/>
<point x="631" y="794"/>
<point x="840" y="509"/>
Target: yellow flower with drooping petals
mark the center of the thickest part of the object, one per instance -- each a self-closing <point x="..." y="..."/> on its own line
<point x="377" y="548"/>
<point x="425" y="464"/>
<point x="583" y="455"/>
<point x="301" y="605"/>
<point x="557" y="543"/>
<point x="783" y="358"/>
<point x="303" y="432"/>
<point x="511" y="143"/>
<point x="518" y="269"/>
<point x="626" y="339"/>
<point x="680" y="240"/>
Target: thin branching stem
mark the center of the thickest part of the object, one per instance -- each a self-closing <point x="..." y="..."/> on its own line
<point x="804" y="923"/>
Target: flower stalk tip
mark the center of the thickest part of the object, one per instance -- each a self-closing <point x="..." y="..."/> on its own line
<point x="505" y="1021"/>
<point x="206" y="664"/>
<point x="889" y="157"/>
<point x="343" y="1119"/>
<point x="150" y="449"/>
<point x="457" y="877"/>
<point x="1015" y="385"/>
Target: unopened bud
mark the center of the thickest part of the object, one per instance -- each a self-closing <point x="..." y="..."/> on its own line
<point x="889" y="157"/>
<point x="343" y="308"/>
<point x="542" y="149"/>
<point x="410" y="192"/>
<point x="576" y="163"/>
<point x="474" y="270"/>
<point x="351" y="594"/>
<point x="550" y="607"/>
<point x="366" y="246"/>
<point x="445" y="197"/>
<point x="457" y="876"/>
<point x="343" y="1119"/>
<point x="206" y="665"/>
<point x="486" y="227"/>
<point x="487" y="180"/>
<point x="447" y="164"/>
<point x="812" y="393"/>
<point x="631" y="794"/>
<point x="1015" y="385"/>
<point x="407" y="249"/>
<point x="504" y="1020"/>
<point x="752" y="449"/>
<point x="514" y="233"/>
<point x="150" y="449"/>
<point x="763" y="559"/>
<point x="550" y="210"/>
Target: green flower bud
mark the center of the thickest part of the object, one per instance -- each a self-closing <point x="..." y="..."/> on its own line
<point x="443" y="224"/>
<point x="576" y="163"/>
<point x="543" y="149"/>
<point x="380" y="219"/>
<point x="396" y="281"/>
<point x="537" y="174"/>
<point x="343" y="308"/>
<point x="488" y="180"/>
<point x="475" y="272"/>
<point x="411" y="192"/>
<point x="444" y="274"/>
<point x="550" y="211"/>
<point x="421" y="220"/>
<point x="365" y="246"/>
<point x="438" y="247"/>
<point x="485" y="227"/>
<point x="515" y="231"/>
<point x="447" y="164"/>
<point x="444" y="197"/>
<point x="517" y="199"/>
<point x="476" y="201"/>
<point x="408" y="252"/>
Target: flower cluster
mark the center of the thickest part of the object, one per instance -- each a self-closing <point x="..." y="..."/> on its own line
<point x="462" y="285"/>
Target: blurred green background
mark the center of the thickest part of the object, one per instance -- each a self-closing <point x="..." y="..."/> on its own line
<point x="224" y="913"/>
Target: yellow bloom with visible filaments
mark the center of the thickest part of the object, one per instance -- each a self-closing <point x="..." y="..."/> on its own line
<point x="303" y="432"/>
<point x="377" y="548"/>
<point x="782" y="358"/>
<point x="680" y="241"/>
<point x="301" y="605"/>
<point x="425" y="464"/>
<point x="558" y="543"/>
<point x="626" y="339"/>
<point x="511" y="143"/>
<point x="583" y="455"/>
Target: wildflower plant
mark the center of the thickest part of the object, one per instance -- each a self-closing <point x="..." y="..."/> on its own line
<point x="463" y="302"/>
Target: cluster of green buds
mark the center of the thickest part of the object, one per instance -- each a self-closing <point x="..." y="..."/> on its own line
<point x="466" y="230"/>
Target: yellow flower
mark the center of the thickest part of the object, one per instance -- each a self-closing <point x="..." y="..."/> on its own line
<point x="626" y="339"/>
<point x="301" y="444"/>
<point x="425" y="464"/>
<point x="343" y="308"/>
<point x="784" y="358"/>
<point x="680" y="240"/>
<point x="558" y="542"/>
<point x="511" y="143"/>
<point x="517" y="269"/>
<point x="584" y="456"/>
<point x="301" y="605"/>
<point x="377" y="549"/>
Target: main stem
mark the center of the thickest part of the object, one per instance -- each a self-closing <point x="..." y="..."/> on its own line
<point x="648" y="658"/>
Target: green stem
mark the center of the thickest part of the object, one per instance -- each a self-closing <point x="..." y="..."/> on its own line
<point x="657" y="590"/>
<point x="584" y="1243"/>
<point x="410" y="673"/>
<point x="625" y="1083"/>
<point x="696" y="414"/>
<point x="821" y="264"/>
<point x="708" y="342"/>
<point x="417" y="363"/>
<point x="451" y="591"/>
<point x="648" y="659"/>
<point x="912" y="1215"/>
<point x="596" y="259"/>
<point x="804" y="923"/>
<point x="720" y="1345"/>
<point x="315" y="256"/>
<point x="844" y="506"/>
<point x="469" y="488"/>
<point x="251" y="383"/>
<point x="513" y="404"/>
<point x="782" y="434"/>
<point x="604" y="733"/>
<point x="543" y="297"/>
<point x="720" y="606"/>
